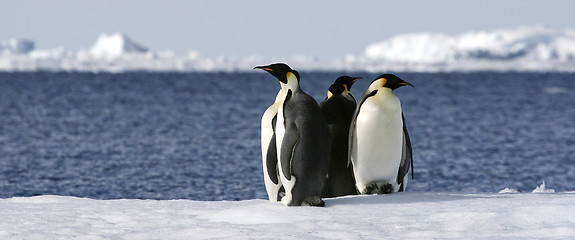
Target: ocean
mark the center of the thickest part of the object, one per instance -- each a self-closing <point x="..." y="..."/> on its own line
<point x="146" y="135"/>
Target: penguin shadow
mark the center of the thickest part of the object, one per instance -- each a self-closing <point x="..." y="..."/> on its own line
<point x="402" y="198"/>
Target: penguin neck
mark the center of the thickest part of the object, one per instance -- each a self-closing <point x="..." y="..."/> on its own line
<point x="385" y="92"/>
<point x="387" y="98"/>
<point x="347" y="94"/>
<point x="281" y="95"/>
<point x="376" y="85"/>
<point x="291" y="84"/>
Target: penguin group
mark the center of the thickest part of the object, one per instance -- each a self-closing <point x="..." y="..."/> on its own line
<point x="336" y="148"/>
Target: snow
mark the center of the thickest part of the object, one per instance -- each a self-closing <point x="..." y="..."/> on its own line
<point x="542" y="189"/>
<point x="507" y="215"/>
<point x="526" y="48"/>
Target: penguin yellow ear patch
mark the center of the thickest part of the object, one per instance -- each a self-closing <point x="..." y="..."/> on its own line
<point x="290" y="75"/>
<point x="383" y="81"/>
<point x="329" y="94"/>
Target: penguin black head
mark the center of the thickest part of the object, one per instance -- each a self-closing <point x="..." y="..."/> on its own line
<point x="341" y="84"/>
<point x="280" y="70"/>
<point x="391" y="81"/>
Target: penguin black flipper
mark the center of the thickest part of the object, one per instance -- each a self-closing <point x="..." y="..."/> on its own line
<point x="289" y="142"/>
<point x="406" y="157"/>
<point x="409" y="151"/>
<point x="271" y="156"/>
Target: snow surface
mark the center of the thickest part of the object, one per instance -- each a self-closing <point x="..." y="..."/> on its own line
<point x="535" y="215"/>
<point x="527" y="48"/>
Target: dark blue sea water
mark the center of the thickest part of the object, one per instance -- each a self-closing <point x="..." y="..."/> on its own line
<point x="196" y="135"/>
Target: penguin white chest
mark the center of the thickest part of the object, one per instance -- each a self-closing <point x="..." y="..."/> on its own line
<point x="378" y="138"/>
<point x="280" y="133"/>
<point x="267" y="132"/>
<point x="280" y="127"/>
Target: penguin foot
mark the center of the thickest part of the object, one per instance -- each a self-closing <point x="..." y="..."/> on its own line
<point x="387" y="188"/>
<point x="313" y="201"/>
<point x="371" y="188"/>
<point x="374" y="188"/>
<point x="281" y="194"/>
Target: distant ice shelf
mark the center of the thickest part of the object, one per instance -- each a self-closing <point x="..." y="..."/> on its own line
<point x="527" y="48"/>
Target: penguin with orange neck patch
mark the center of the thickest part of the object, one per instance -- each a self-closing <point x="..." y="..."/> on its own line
<point x="380" y="148"/>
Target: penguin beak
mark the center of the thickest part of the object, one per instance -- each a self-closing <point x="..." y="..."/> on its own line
<point x="404" y="83"/>
<point x="266" y="68"/>
<point x="352" y="82"/>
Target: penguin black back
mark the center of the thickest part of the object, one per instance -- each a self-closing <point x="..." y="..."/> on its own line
<point x="307" y="139"/>
<point x="302" y="140"/>
<point x="338" y="109"/>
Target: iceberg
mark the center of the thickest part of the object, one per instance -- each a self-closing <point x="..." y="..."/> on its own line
<point x="115" y="45"/>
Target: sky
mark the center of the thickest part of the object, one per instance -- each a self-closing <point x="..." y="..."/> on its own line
<point x="322" y="28"/>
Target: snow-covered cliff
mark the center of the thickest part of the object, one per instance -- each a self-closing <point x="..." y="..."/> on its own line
<point x="535" y="43"/>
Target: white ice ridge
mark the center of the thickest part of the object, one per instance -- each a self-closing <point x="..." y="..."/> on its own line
<point x="539" y="189"/>
<point x="528" y="48"/>
<point x="534" y="43"/>
<point x="409" y="215"/>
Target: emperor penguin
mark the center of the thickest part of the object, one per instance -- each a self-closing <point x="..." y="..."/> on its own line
<point x="380" y="148"/>
<point x="338" y="109"/>
<point x="302" y="140"/>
